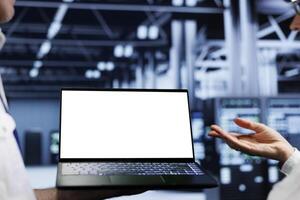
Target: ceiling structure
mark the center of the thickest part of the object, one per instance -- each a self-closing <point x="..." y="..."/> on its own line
<point x="55" y="43"/>
<point x="69" y="43"/>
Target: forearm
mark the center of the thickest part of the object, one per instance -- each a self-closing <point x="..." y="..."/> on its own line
<point x="57" y="194"/>
<point x="46" y="194"/>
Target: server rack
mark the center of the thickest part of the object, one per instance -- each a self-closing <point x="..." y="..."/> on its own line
<point x="54" y="146"/>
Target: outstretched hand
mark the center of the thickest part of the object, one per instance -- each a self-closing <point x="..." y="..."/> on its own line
<point x="264" y="141"/>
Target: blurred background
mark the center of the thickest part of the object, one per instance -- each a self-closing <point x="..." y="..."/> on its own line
<point x="236" y="58"/>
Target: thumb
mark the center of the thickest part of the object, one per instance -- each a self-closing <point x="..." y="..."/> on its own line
<point x="244" y="123"/>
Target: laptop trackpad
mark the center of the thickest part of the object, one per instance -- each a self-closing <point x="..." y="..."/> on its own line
<point x="136" y="180"/>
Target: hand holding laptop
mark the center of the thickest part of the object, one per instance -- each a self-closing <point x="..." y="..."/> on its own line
<point x="82" y="194"/>
<point x="93" y="194"/>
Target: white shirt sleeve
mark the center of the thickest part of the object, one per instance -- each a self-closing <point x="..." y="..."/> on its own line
<point x="14" y="182"/>
<point x="289" y="187"/>
<point x="290" y="164"/>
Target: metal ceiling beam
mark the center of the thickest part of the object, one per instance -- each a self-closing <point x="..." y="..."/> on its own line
<point x="23" y="51"/>
<point x="53" y="63"/>
<point x="212" y="64"/>
<point x="273" y="6"/>
<point x="233" y="49"/>
<point x="17" y="22"/>
<point x="49" y="64"/>
<point x="277" y="44"/>
<point x="123" y="7"/>
<point x="40" y="88"/>
<point x="94" y="43"/>
<point x="279" y="19"/>
<point x="104" y="25"/>
<point x="248" y="24"/>
<point x="277" y="28"/>
<point x="46" y="78"/>
<point x="65" y="29"/>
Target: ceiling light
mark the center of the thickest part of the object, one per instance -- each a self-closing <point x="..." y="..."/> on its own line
<point x="292" y="72"/>
<point x="61" y="12"/>
<point x="33" y="73"/>
<point x="128" y="51"/>
<point x="142" y="32"/>
<point x="37" y="64"/>
<point x="44" y="49"/>
<point x="118" y="51"/>
<point x="53" y="29"/>
<point x="89" y="74"/>
<point x="110" y="66"/>
<point x="101" y="66"/>
<point x="177" y="2"/>
<point x="153" y="32"/>
<point x="97" y="74"/>
<point x="191" y="3"/>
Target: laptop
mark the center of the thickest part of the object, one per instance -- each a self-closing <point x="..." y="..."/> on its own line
<point x="127" y="138"/>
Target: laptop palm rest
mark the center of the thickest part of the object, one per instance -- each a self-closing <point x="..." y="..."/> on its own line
<point x="189" y="180"/>
<point x="76" y="181"/>
<point x="136" y="180"/>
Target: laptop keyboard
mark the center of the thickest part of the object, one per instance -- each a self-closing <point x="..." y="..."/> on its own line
<point x="130" y="168"/>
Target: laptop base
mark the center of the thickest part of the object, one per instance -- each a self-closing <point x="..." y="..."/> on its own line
<point x="134" y="181"/>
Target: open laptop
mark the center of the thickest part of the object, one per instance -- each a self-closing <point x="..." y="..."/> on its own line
<point x="127" y="138"/>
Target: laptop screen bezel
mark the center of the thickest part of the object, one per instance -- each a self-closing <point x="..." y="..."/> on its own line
<point x="126" y="159"/>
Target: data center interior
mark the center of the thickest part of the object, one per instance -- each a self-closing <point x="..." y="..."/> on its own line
<point x="237" y="58"/>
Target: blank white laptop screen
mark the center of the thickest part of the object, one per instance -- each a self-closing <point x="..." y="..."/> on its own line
<point x="125" y="124"/>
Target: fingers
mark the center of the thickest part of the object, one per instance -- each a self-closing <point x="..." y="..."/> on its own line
<point x="221" y="133"/>
<point x="231" y="139"/>
<point x="217" y="135"/>
<point x="214" y="134"/>
<point x="257" y="127"/>
<point x="227" y="137"/>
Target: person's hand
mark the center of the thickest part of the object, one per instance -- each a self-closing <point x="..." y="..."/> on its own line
<point x="264" y="142"/>
<point x="94" y="194"/>
<point x="82" y="194"/>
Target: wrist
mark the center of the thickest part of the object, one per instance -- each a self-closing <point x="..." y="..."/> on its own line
<point x="286" y="153"/>
<point x="290" y="164"/>
<point x="45" y="194"/>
